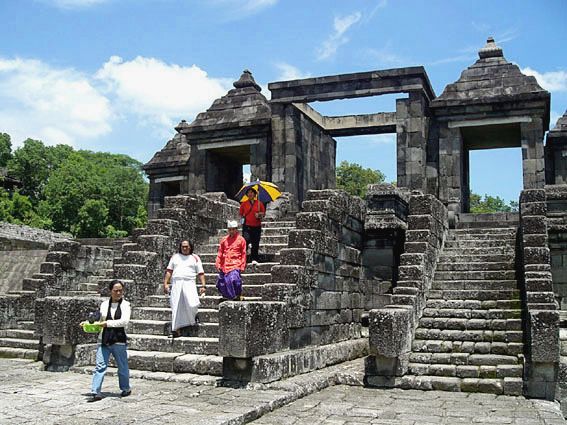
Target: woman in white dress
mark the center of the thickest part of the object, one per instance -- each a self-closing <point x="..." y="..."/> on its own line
<point x="182" y="271"/>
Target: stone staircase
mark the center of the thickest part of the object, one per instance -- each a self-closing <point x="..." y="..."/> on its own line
<point x="19" y="340"/>
<point x="195" y="352"/>
<point x="470" y="335"/>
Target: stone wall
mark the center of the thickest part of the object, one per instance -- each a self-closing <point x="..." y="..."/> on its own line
<point x="303" y="154"/>
<point x="392" y="327"/>
<point x="385" y="227"/>
<point x="315" y="299"/>
<point x="18" y="264"/>
<point x="540" y="310"/>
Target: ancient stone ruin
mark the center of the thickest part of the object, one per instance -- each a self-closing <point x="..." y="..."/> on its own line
<point x="426" y="294"/>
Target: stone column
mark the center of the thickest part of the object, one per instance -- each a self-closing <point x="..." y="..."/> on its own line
<point x="197" y="167"/>
<point x="533" y="162"/>
<point x="412" y="131"/>
<point x="450" y="169"/>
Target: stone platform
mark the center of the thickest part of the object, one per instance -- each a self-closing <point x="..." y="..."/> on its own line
<point x="28" y="395"/>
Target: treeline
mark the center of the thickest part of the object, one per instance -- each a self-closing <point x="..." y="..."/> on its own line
<point x="353" y="178"/>
<point x="85" y="193"/>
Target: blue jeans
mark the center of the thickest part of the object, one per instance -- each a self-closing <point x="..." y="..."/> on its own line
<point x="102" y="357"/>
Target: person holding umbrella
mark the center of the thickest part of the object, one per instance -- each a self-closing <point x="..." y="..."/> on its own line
<point x="252" y="212"/>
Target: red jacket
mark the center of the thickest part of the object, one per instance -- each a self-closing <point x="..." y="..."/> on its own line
<point x="231" y="254"/>
<point x="248" y="211"/>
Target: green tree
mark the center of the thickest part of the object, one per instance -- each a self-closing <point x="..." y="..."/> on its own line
<point x="91" y="219"/>
<point x="34" y="162"/>
<point x="490" y="204"/>
<point x="5" y="149"/>
<point x="352" y="178"/>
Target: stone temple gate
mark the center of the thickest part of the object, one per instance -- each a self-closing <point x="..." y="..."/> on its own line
<point x="425" y="294"/>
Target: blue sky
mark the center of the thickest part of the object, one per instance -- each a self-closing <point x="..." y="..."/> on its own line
<point x="117" y="75"/>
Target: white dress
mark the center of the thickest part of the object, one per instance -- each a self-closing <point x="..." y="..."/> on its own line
<point x="183" y="294"/>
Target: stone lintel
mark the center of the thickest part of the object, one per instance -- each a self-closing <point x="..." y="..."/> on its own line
<point x="351" y="125"/>
<point x="170" y="179"/>
<point x="231" y="143"/>
<point x="489" y="121"/>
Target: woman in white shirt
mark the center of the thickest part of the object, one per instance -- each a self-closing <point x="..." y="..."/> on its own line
<point x="115" y="315"/>
<point x="182" y="270"/>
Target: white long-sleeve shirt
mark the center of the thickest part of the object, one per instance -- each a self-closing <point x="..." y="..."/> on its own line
<point x="124" y="316"/>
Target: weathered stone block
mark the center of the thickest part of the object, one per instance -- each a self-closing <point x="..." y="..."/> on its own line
<point x="60" y="318"/>
<point x="249" y="329"/>
<point x="534" y="224"/>
<point x="544" y="336"/>
<point x="390" y="331"/>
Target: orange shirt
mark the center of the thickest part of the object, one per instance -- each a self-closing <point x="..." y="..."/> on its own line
<point x="231" y="254"/>
<point x="248" y="211"/>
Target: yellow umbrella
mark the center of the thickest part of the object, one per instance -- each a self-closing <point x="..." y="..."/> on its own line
<point x="267" y="191"/>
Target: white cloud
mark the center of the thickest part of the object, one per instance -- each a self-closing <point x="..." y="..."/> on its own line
<point x="289" y="72"/>
<point x="53" y="105"/>
<point x="74" y="4"/>
<point x="385" y="56"/>
<point x="381" y="139"/>
<point x="159" y="92"/>
<point x="551" y="81"/>
<point x="237" y="9"/>
<point x="338" y="38"/>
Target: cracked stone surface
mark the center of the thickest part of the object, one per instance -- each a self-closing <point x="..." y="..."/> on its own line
<point x="29" y="395"/>
<point x="344" y="404"/>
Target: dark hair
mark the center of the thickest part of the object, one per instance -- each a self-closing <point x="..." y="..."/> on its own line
<point x="114" y="282"/>
<point x="252" y="189"/>
<point x="190" y="246"/>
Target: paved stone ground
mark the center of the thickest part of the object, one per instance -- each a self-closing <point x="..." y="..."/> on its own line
<point x="28" y="395"/>
<point x="344" y="404"/>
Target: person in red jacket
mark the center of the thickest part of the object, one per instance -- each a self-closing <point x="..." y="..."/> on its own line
<point x="252" y="212"/>
<point x="231" y="261"/>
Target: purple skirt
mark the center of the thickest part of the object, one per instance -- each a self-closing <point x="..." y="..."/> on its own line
<point x="230" y="284"/>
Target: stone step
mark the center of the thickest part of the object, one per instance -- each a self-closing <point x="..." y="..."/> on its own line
<point x="18" y="353"/>
<point x="474" y="285"/>
<point x="162" y="226"/>
<point x="475" y="275"/>
<point x="494" y="236"/>
<point x="465" y="359"/>
<point x="17" y="333"/>
<point x="505" y="386"/>
<point x="264" y="248"/>
<point x="490" y="250"/>
<point x="451" y="347"/>
<point x="482" y="243"/>
<point x="87" y="286"/>
<point x="158" y="361"/>
<point x="32" y="284"/>
<point x="211" y="257"/>
<point x="26" y="324"/>
<point x="265" y="239"/>
<point x="129" y="246"/>
<point x="163" y="327"/>
<point x="459" y="257"/>
<point x="502" y="265"/>
<point x="481" y="371"/>
<point x="31" y="344"/>
<point x="50" y="267"/>
<point x="206" y="315"/>
<point x="466" y="313"/>
<point x="473" y="304"/>
<point x="130" y="271"/>
<point x="259" y="268"/>
<point x="139" y="257"/>
<point x="73" y="293"/>
<point x="192" y="345"/>
<point x="488" y="231"/>
<point x="474" y="294"/>
<point x="278" y="224"/>
<point x="270" y="231"/>
<point x="470" y="324"/>
<point x="247" y="278"/>
<point x="469" y="335"/>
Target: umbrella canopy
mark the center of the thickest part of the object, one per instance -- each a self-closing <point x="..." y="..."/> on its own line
<point x="267" y="191"/>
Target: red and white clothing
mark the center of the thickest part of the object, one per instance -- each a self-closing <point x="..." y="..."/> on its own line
<point x="231" y="254"/>
<point x="184" y="298"/>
